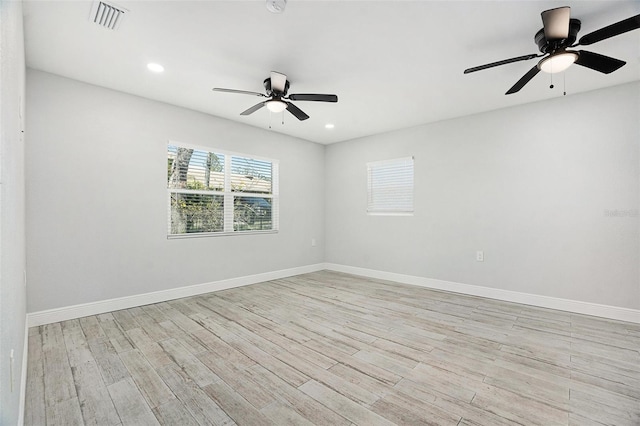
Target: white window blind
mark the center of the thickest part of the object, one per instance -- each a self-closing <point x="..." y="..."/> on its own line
<point x="390" y="187"/>
<point x="217" y="193"/>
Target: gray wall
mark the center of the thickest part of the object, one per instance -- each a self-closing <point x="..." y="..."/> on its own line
<point x="12" y="223"/>
<point x="97" y="199"/>
<point x="531" y="186"/>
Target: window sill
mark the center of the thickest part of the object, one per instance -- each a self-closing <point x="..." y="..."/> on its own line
<point x="218" y="234"/>
<point x="389" y="213"/>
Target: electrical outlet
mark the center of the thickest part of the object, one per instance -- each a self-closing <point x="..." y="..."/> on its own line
<point x="480" y="256"/>
<point x="313" y="242"/>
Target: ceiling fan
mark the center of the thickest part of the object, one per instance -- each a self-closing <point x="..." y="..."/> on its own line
<point x="556" y="37"/>
<point x="276" y="88"/>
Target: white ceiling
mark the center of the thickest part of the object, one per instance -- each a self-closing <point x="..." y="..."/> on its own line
<point x="393" y="64"/>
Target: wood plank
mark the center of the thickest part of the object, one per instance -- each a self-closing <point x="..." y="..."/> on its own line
<point x="283" y="414"/>
<point x="394" y="365"/>
<point x="280" y="413"/>
<point x="58" y="379"/>
<point x="65" y="413"/>
<point x="91" y="328"/>
<point x="238" y="379"/>
<point x="238" y="408"/>
<point x="430" y="394"/>
<point x="34" y="412"/>
<point x="343" y="405"/>
<point x="200" y="405"/>
<point x="112" y="370"/>
<point x="154" y="390"/>
<point x="604" y="413"/>
<point x="518" y="408"/>
<point x="93" y="397"/>
<point x="111" y="328"/>
<point x="626" y="388"/>
<point x="156" y="356"/>
<point x="446" y="382"/>
<point x="285" y="344"/>
<point x="407" y="352"/>
<point x="154" y="330"/>
<point x="551" y="390"/>
<point x="361" y="380"/>
<point x="97" y="407"/>
<point x="591" y="393"/>
<point x="172" y="330"/>
<point x="222" y="349"/>
<point x="268" y="361"/>
<point x="174" y="413"/>
<point x="459" y="363"/>
<point x="131" y="405"/>
<point x="303" y="404"/>
<point x="125" y="320"/>
<point x="297" y="365"/>
<point x="154" y="312"/>
<point x="178" y="318"/>
<point x="191" y="365"/>
<point x="402" y="409"/>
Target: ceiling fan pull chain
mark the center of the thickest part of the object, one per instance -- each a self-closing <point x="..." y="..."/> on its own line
<point x="270" y="119"/>
<point x="283" y="118"/>
<point x="551" y="79"/>
<point x="564" y="84"/>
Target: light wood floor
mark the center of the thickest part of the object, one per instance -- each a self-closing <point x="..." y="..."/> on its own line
<point x="334" y="349"/>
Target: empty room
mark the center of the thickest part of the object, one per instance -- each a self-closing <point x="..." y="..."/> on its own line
<point x="300" y="212"/>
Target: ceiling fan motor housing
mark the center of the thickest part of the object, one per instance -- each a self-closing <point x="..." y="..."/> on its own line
<point x="550" y="46"/>
<point x="267" y="87"/>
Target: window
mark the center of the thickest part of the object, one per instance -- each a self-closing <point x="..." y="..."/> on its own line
<point x="390" y="187"/>
<point x="219" y="193"/>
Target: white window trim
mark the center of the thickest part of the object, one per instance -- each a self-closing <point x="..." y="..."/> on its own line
<point x="228" y="195"/>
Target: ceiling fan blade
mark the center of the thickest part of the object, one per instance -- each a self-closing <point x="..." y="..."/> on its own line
<point x="297" y="112"/>
<point x="524" y="80"/>
<point x="609" y="31"/>
<point x="254" y="108"/>
<point x="498" y="63"/>
<point x="598" y="62"/>
<point x="313" y="97"/>
<point x="556" y="23"/>
<point x="278" y="82"/>
<point x="242" y="92"/>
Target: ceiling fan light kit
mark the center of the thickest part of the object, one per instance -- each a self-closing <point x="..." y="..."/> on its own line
<point x="153" y="67"/>
<point x="276" y="106"/>
<point x="558" y="33"/>
<point x="558" y="62"/>
<point x="277" y="88"/>
<point x="276" y="6"/>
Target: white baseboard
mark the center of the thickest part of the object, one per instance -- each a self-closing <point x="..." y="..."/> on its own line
<point x="94" y="308"/>
<point x="605" y="311"/>
<point x="78" y="311"/>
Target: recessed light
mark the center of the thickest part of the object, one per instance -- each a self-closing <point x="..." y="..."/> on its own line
<point x="329" y="126"/>
<point x="155" y="67"/>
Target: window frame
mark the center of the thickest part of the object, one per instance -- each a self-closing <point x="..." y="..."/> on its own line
<point x="393" y="211"/>
<point x="228" y="194"/>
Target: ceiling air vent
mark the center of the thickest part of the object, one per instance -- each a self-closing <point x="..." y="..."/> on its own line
<point x="107" y="15"/>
